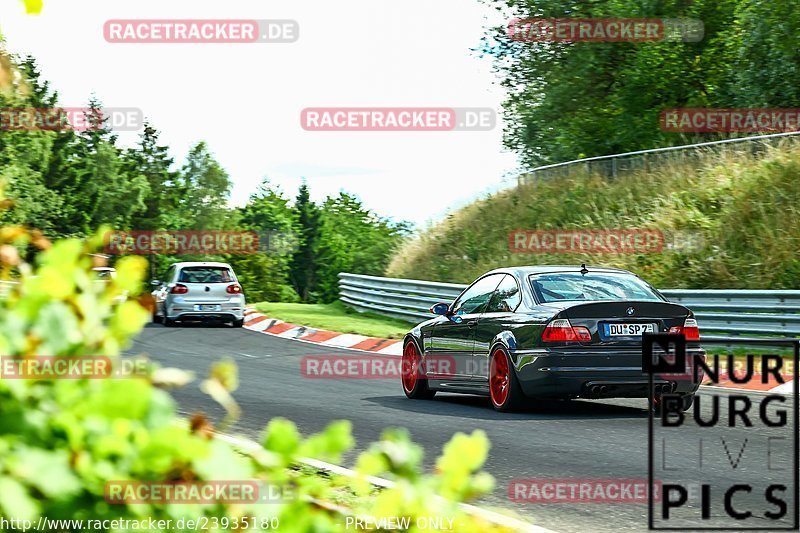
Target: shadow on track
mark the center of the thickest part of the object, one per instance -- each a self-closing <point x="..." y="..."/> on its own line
<point x="186" y="325"/>
<point x="477" y="407"/>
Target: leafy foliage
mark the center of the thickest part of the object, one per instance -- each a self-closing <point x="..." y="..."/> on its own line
<point x="353" y="239"/>
<point x="33" y="6"/>
<point x="583" y="99"/>
<point x="62" y="440"/>
<point x="303" y="271"/>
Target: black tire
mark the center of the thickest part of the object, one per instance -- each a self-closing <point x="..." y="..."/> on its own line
<point x="169" y="323"/>
<point x="413" y="380"/>
<point x="505" y="395"/>
<point x="156" y="319"/>
<point x="238" y="323"/>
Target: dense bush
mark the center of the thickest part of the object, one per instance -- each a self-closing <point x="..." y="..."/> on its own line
<point x="570" y="100"/>
<point x="61" y="440"/>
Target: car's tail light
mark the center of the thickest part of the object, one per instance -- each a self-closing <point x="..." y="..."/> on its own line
<point x="560" y="330"/>
<point x="179" y="289"/>
<point x="689" y="329"/>
<point x="234" y="289"/>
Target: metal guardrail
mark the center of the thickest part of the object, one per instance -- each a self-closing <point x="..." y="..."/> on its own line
<point x="612" y="165"/>
<point x="718" y="311"/>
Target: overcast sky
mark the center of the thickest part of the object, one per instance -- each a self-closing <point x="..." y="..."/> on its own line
<point x="245" y="100"/>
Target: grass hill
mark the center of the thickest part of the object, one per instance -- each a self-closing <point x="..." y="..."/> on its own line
<point x="743" y="208"/>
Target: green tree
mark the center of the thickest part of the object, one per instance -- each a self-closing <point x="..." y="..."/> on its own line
<point x="265" y="275"/>
<point x="303" y="269"/>
<point x="152" y="161"/>
<point x="96" y="176"/>
<point x="201" y="192"/>
<point x="25" y="155"/>
<point x="353" y="239"/>
<point x="765" y="66"/>
<point x="582" y="99"/>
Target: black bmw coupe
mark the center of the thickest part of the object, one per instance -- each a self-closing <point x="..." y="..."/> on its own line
<point x="522" y="333"/>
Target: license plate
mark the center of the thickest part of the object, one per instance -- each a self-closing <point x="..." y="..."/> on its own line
<point x="207" y="307"/>
<point x="627" y="330"/>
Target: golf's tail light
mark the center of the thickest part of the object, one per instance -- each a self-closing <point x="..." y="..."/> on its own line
<point x="690" y="330"/>
<point x="560" y="330"/>
<point x="234" y="289"/>
<point x="179" y="289"/>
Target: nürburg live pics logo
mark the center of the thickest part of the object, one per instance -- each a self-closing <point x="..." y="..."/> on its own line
<point x="728" y="460"/>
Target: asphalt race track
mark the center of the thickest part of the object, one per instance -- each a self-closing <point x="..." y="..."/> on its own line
<point x="564" y="440"/>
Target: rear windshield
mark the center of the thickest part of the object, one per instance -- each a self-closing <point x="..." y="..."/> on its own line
<point x="571" y="286"/>
<point x="205" y="275"/>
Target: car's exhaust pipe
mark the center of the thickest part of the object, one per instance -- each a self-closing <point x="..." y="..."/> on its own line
<point x="597" y="391"/>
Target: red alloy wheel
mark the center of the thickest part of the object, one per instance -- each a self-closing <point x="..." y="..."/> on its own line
<point x="499" y="377"/>
<point x="410" y="367"/>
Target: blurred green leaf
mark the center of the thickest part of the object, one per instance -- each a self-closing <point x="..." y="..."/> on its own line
<point x="33" y="6"/>
<point x="15" y="502"/>
<point x="282" y="437"/>
<point x="48" y="471"/>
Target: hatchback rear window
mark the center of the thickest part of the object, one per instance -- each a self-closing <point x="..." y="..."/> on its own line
<point x="205" y="275"/>
<point x="571" y="286"/>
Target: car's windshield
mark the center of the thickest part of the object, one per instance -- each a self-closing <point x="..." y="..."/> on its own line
<point x="570" y="286"/>
<point x="205" y="275"/>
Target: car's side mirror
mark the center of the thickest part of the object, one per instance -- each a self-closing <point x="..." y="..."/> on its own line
<point x="155" y="283"/>
<point x="440" y="308"/>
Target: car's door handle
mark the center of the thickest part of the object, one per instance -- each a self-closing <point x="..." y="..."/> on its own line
<point x="472" y="323"/>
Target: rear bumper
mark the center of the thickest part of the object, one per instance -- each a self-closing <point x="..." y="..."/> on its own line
<point x="186" y="311"/>
<point x="550" y="374"/>
<point x="203" y="317"/>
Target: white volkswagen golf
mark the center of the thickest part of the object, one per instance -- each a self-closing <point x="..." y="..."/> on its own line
<point x="198" y="291"/>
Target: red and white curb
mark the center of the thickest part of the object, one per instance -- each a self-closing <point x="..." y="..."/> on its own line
<point x="256" y="321"/>
<point x="757" y="381"/>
